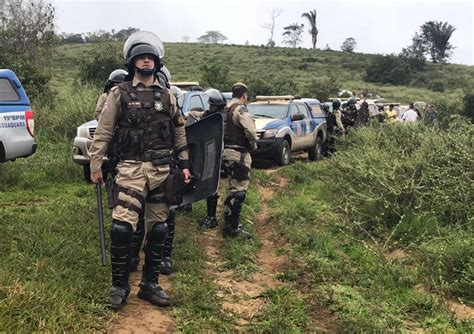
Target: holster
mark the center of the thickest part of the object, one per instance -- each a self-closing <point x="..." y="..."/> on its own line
<point x="112" y="193"/>
<point x="174" y="186"/>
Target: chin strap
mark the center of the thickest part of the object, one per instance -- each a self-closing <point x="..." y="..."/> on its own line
<point x="146" y="71"/>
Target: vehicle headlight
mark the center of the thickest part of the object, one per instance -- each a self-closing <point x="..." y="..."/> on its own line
<point x="270" y="133"/>
<point x="82" y="132"/>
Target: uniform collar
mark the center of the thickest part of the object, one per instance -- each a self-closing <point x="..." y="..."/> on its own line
<point x="136" y="82"/>
<point x="234" y="101"/>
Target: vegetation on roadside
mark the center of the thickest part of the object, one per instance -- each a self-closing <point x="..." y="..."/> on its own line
<point x="381" y="233"/>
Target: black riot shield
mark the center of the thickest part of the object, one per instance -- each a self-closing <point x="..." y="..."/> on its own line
<point x="205" y="140"/>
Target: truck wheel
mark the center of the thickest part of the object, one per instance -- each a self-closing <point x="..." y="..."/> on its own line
<point x="316" y="152"/>
<point x="283" y="157"/>
<point x="87" y="173"/>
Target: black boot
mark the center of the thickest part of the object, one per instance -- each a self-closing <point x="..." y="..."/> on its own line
<point x="150" y="290"/>
<point x="137" y="240"/>
<point x="167" y="265"/>
<point x="211" y="221"/>
<point x="121" y="242"/>
<point x="233" y="206"/>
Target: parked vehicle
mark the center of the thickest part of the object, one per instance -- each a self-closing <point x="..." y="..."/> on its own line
<point x="17" y="121"/>
<point x="287" y="124"/>
<point x="193" y="100"/>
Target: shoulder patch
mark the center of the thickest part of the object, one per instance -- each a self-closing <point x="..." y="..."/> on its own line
<point x="242" y="108"/>
<point x="181" y="120"/>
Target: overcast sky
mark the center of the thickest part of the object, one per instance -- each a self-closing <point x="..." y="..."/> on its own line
<point x="378" y="26"/>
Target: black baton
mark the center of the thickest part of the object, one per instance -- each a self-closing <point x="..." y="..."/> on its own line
<point x="100" y="212"/>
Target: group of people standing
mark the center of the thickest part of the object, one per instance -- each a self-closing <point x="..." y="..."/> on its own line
<point x="141" y="130"/>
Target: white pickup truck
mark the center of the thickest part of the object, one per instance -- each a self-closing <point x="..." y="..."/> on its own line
<point x="16" y="119"/>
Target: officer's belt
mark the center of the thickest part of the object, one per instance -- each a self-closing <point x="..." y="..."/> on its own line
<point x="238" y="149"/>
<point x="156" y="157"/>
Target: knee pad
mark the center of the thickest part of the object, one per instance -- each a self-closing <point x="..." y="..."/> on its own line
<point x="121" y="231"/>
<point x="158" y="232"/>
<point x="240" y="196"/>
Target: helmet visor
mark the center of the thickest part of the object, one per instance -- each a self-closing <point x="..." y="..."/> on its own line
<point x="143" y="37"/>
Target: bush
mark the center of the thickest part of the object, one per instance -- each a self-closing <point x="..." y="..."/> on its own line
<point x="437" y="86"/>
<point x="468" y="106"/>
<point x="322" y="88"/>
<point x="411" y="171"/>
<point x="215" y="75"/>
<point x="388" y="69"/>
<point x="104" y="59"/>
<point x="33" y="80"/>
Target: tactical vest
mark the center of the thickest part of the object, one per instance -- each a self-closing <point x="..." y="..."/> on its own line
<point x="331" y="121"/>
<point x="145" y="130"/>
<point x="234" y="134"/>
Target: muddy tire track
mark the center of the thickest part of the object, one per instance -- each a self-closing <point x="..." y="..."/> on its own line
<point x="243" y="298"/>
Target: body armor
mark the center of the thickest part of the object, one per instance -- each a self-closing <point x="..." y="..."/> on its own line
<point x="233" y="134"/>
<point x="145" y="129"/>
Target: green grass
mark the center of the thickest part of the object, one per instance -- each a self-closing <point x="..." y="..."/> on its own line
<point x="351" y="274"/>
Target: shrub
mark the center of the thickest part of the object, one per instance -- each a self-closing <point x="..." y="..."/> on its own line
<point x="322" y="88"/>
<point x="468" y="106"/>
<point x="410" y="171"/>
<point x="388" y="69"/>
<point x="215" y="75"/>
<point x="104" y="59"/>
<point x="437" y="86"/>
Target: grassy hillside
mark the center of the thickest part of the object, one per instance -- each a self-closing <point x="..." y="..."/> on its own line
<point x="300" y="65"/>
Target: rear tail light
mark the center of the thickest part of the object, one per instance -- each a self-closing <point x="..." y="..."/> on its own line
<point x="30" y="122"/>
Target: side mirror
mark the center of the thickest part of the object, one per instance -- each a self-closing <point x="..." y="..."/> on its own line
<point x="297" y="117"/>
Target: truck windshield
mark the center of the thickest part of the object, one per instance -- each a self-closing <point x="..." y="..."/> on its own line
<point x="277" y="111"/>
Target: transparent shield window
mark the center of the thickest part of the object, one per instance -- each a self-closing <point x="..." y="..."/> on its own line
<point x="303" y="110"/>
<point x="195" y="103"/>
<point x="277" y="111"/>
<point x="7" y="91"/>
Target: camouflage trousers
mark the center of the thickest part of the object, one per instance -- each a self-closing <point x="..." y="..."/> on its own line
<point x="135" y="182"/>
<point x="237" y="165"/>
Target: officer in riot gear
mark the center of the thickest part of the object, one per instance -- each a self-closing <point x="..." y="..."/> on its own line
<point x="115" y="78"/>
<point x="141" y="123"/>
<point x="217" y="103"/>
<point x="240" y="137"/>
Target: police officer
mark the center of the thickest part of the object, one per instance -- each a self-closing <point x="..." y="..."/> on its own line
<point x="217" y="104"/>
<point x="140" y="120"/>
<point x="240" y="137"/>
<point x="115" y="78"/>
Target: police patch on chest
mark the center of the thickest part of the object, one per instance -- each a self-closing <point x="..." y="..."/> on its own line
<point x="159" y="106"/>
<point x="134" y="105"/>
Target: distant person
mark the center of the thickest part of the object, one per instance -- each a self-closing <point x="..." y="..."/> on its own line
<point x="115" y="78"/>
<point x="430" y="114"/>
<point x="410" y="115"/>
<point x="391" y="114"/>
<point x="240" y="137"/>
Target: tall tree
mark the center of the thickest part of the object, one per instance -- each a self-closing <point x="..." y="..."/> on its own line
<point x="436" y="35"/>
<point x="212" y="37"/>
<point x="415" y="53"/>
<point x="349" y="45"/>
<point x="271" y="25"/>
<point x="292" y="34"/>
<point x="313" y="30"/>
<point x="28" y="28"/>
